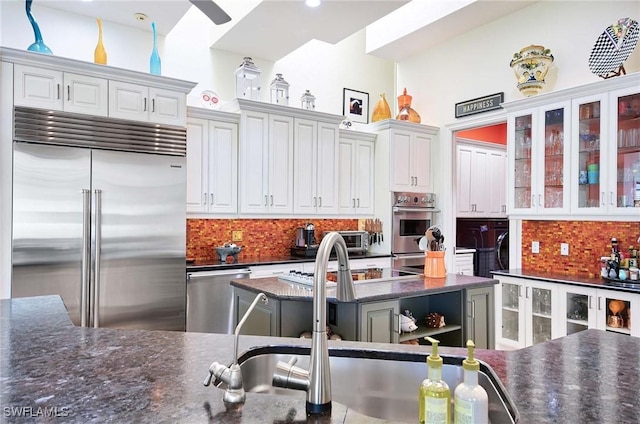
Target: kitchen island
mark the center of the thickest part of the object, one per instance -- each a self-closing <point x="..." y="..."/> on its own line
<point x="375" y="313"/>
<point x="86" y="375"/>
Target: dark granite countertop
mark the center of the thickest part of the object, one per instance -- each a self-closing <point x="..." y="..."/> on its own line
<point x="87" y="375"/>
<point x="243" y="262"/>
<point x="367" y="291"/>
<point x="554" y="277"/>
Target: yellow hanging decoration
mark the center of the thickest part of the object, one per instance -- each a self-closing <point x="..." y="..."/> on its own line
<point x="100" y="54"/>
<point x="382" y="110"/>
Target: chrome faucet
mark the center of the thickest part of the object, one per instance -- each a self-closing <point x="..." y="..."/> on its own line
<point x="317" y="380"/>
<point x="234" y="395"/>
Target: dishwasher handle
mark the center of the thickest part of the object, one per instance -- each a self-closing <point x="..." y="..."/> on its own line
<point x="208" y="274"/>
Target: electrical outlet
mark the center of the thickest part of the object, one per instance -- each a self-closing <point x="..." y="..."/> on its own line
<point x="535" y="247"/>
<point x="236" y="235"/>
<point x="564" y="249"/>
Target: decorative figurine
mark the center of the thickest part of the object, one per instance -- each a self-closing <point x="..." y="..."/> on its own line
<point x="38" y="46"/>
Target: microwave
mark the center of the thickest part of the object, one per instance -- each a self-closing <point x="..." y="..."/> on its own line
<point x="357" y="241"/>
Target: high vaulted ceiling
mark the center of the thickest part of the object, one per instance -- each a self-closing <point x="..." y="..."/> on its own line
<point x="274" y="28"/>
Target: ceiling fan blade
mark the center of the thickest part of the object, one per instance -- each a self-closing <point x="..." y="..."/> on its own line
<point x="212" y="10"/>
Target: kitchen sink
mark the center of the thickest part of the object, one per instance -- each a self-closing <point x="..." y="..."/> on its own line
<point x="379" y="384"/>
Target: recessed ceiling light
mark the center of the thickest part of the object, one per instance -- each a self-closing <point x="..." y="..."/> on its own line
<point x="140" y="16"/>
<point x="312" y="3"/>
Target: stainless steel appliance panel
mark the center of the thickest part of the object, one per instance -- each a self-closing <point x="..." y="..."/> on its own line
<point x="408" y="227"/>
<point x="139" y="240"/>
<point x="47" y="222"/>
<point x="210" y="300"/>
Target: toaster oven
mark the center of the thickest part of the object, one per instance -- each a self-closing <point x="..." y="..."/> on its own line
<point x="357" y="241"/>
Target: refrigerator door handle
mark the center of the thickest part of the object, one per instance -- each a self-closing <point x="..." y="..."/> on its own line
<point x="96" y="279"/>
<point x="86" y="257"/>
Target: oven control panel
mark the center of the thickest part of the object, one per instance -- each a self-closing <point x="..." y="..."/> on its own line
<point x="425" y="200"/>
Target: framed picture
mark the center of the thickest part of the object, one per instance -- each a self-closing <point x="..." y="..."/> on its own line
<point x="355" y="105"/>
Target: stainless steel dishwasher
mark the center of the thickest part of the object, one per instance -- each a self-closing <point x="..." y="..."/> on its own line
<point x="210" y="302"/>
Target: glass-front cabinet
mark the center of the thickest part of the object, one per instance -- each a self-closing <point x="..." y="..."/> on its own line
<point x="577" y="309"/>
<point x="540" y="159"/>
<point x="576" y="151"/>
<point x="526" y="312"/>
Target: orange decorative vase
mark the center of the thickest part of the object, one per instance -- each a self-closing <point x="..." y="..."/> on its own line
<point x="406" y="111"/>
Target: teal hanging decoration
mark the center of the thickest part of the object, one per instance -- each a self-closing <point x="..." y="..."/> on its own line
<point x="154" y="61"/>
<point x="39" y="45"/>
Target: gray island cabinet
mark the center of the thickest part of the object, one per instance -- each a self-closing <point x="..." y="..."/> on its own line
<point x="465" y="302"/>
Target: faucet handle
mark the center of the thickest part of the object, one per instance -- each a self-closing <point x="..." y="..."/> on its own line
<point x="289" y="376"/>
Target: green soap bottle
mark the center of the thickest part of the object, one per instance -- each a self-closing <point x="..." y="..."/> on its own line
<point x="434" y="392"/>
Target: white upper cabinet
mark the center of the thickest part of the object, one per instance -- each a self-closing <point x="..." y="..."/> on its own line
<point x="315" y="167"/>
<point x="266" y="163"/>
<point x="57" y="90"/>
<point x="576" y="152"/>
<point x="212" y="162"/>
<point x="355" y="173"/>
<point x="149" y="104"/>
<point x="57" y="83"/>
<point x="481" y="181"/>
<point x="410" y="154"/>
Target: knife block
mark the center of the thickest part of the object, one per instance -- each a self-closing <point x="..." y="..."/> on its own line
<point x="434" y="266"/>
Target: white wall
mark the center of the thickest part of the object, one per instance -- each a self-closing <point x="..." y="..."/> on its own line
<point x="477" y="63"/>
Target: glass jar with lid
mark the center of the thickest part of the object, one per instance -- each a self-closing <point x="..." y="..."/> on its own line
<point x="308" y="100"/>
<point x="280" y="91"/>
<point x="248" y="80"/>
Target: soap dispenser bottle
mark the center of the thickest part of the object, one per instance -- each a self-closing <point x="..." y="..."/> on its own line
<point x="434" y="392"/>
<point x="471" y="403"/>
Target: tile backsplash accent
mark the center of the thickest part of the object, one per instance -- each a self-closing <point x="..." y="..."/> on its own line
<point x="260" y="237"/>
<point x="588" y="241"/>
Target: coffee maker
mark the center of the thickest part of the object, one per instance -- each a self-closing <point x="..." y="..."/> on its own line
<point x="305" y="241"/>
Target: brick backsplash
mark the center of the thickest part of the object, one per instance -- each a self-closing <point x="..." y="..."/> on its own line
<point x="588" y="241"/>
<point x="260" y="237"/>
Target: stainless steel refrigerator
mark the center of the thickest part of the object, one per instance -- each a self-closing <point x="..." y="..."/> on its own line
<point x="99" y="218"/>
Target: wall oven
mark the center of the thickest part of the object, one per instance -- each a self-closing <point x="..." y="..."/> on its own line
<point x="412" y="215"/>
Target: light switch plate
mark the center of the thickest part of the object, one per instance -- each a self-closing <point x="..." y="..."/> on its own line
<point x="535" y="247"/>
<point x="564" y="249"/>
<point x="236" y="235"/>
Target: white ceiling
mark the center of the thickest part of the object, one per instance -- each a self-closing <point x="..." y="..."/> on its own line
<point x="274" y="28"/>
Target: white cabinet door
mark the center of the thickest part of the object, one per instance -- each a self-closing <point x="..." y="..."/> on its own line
<point x="84" y="94"/>
<point x="167" y="107"/>
<point x="346" y="164"/>
<point x="142" y="103"/>
<point x="464" y="263"/>
<point x="223" y="167"/>
<point x="36" y="87"/>
<point x="497" y="184"/>
<point x="479" y="181"/>
<point x="577" y="309"/>
<point x="280" y="164"/>
<point x="254" y="161"/>
<point x="364" y="181"/>
<point x="421" y="163"/>
<point x="197" y="165"/>
<point x="465" y="181"/>
<point x="128" y="101"/>
<point x="327" y="169"/>
<point x="401" y="170"/>
<point x="305" y="172"/>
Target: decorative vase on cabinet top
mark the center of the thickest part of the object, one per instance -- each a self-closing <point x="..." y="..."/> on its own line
<point x="382" y="110"/>
<point x="407" y="113"/>
<point x="100" y="54"/>
<point x="530" y="66"/>
<point x="38" y="46"/>
<point x="154" y="60"/>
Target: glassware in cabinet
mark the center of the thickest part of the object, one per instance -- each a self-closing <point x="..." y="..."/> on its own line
<point x="589" y="154"/>
<point x="554" y="158"/>
<point x="628" y="152"/>
<point x="523" y="147"/>
<point x="510" y="312"/>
